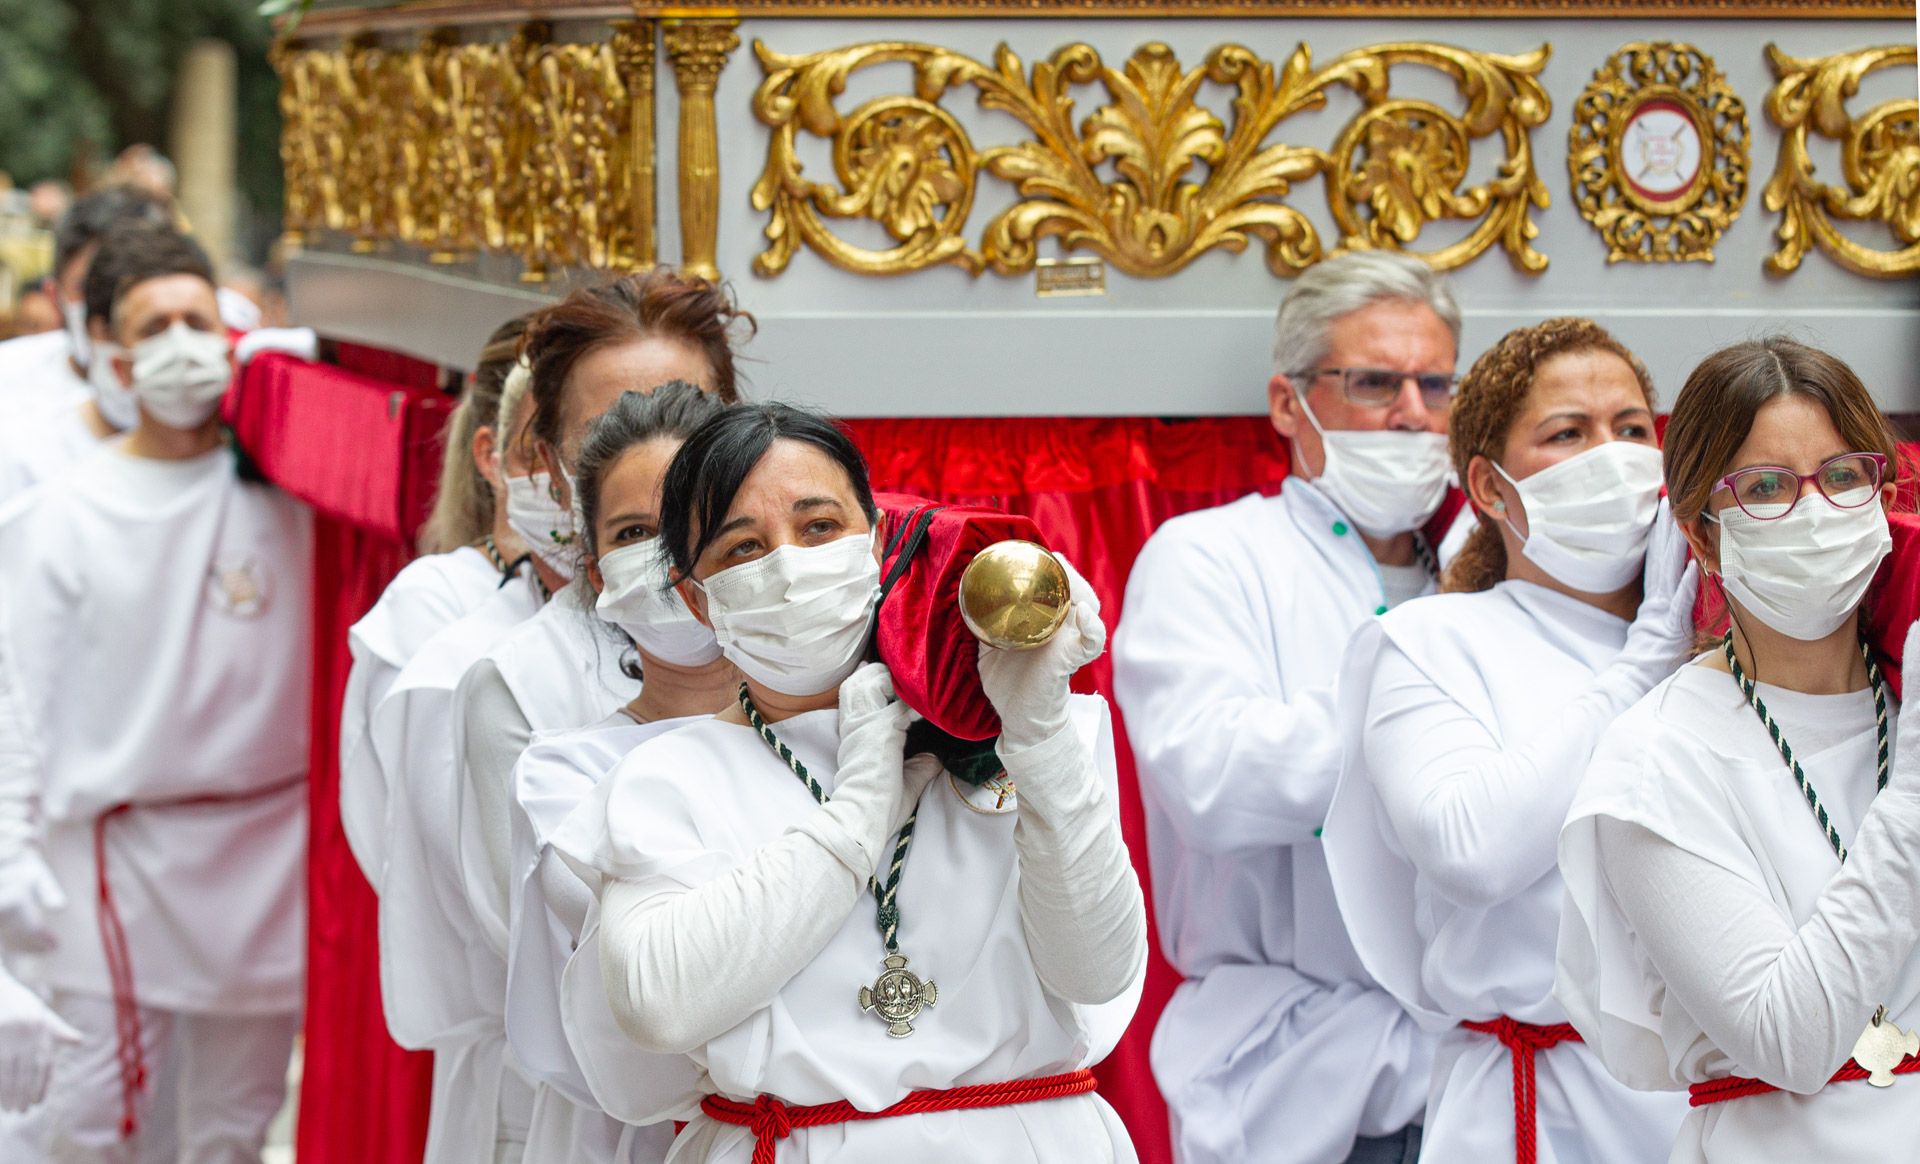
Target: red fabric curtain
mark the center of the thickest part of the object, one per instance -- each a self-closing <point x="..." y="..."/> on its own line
<point x="363" y="1100"/>
<point x="364" y="452"/>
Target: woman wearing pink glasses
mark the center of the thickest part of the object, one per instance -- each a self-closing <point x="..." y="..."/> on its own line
<point x="1740" y="859"/>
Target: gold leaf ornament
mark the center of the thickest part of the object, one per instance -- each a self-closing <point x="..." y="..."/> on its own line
<point x="1151" y="178"/>
<point x="1880" y="163"/>
<point x="1612" y="141"/>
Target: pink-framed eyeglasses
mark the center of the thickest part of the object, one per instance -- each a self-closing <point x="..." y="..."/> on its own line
<point x="1769" y="492"/>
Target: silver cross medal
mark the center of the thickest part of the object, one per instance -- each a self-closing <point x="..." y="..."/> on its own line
<point x="898" y="996"/>
<point x="1882" y="1046"/>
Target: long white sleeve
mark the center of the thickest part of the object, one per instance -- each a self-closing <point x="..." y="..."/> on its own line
<point x="20" y="763"/>
<point x="494" y="731"/>
<point x="661" y="953"/>
<point x="1784" y="1002"/>
<point x="1477" y="816"/>
<point x="1080" y="901"/>
<point x="1234" y="761"/>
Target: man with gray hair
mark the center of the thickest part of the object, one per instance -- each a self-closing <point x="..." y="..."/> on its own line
<point x="1279" y="1048"/>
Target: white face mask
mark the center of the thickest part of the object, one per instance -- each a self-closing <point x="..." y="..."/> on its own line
<point x="79" y="343"/>
<point x="1589" y="517"/>
<point x="1803" y="574"/>
<point x="638" y="600"/>
<point x="543" y="523"/>
<point x="116" y="401"/>
<point x="797" y="620"/>
<point x="181" y="374"/>
<point x="1386" y="482"/>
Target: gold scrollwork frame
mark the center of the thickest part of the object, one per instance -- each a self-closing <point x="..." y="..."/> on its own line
<point x="1879" y="162"/>
<point x="908" y="165"/>
<point x="1686" y="226"/>
<point x="522" y="146"/>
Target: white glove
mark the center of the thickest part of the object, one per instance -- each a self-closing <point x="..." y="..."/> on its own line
<point x="1029" y="688"/>
<point x="30" y="1034"/>
<point x="295" y="341"/>
<point x="1662" y="633"/>
<point x="877" y="788"/>
<point x="28" y="895"/>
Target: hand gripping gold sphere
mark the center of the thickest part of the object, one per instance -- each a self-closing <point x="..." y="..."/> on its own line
<point x="1014" y="595"/>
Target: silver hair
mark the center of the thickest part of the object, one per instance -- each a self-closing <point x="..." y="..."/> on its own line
<point x="1343" y="285"/>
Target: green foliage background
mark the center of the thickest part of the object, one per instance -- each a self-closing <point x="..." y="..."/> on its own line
<point x="82" y="79"/>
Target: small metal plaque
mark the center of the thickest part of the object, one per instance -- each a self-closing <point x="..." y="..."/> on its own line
<point x="1065" y="278"/>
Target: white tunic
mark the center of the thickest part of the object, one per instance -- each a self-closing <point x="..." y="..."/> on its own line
<point x="440" y="990"/>
<point x="557" y="672"/>
<point x="1440" y="841"/>
<point x="159" y="611"/>
<point x="430" y="593"/>
<point x="1759" y="954"/>
<point x="35" y="372"/>
<point x="41" y="441"/>
<point x="1279" y="1046"/>
<point x="551" y="779"/>
<point x="690" y="805"/>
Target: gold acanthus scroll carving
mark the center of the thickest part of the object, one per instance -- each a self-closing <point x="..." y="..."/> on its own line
<point x="1879" y="162"/>
<point x="521" y="147"/>
<point x="1152" y="178"/>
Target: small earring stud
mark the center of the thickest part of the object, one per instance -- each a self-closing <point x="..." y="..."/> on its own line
<point x="1499" y="507"/>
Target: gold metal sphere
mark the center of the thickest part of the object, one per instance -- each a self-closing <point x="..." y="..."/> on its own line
<point x="1014" y="595"/>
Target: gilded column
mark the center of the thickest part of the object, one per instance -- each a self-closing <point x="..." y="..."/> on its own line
<point x="633" y="40"/>
<point x="698" y="50"/>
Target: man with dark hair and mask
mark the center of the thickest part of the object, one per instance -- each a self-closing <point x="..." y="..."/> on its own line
<point x="1279" y="1047"/>
<point x="49" y="369"/>
<point x="158" y="607"/>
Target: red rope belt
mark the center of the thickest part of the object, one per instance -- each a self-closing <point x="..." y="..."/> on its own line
<point x="1523" y="1041"/>
<point x="128" y="1048"/>
<point x="772" y="1121"/>
<point x="1740" y="1087"/>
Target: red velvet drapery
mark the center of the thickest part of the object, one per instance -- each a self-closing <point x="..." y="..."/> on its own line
<point x="361" y="450"/>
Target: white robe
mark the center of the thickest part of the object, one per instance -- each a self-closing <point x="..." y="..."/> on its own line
<point x="562" y="671"/>
<point x="431" y="593"/>
<point x="552" y="778"/>
<point x="159" y="614"/>
<point x="1279" y="1046"/>
<point x="41" y="441"/>
<point x="691" y="804"/>
<point x="440" y="991"/>
<point x="35" y="372"/>
<point x="1475" y="940"/>
<point x="1692" y="765"/>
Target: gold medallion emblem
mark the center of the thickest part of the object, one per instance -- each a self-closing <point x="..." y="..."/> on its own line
<point x="237" y="587"/>
<point x="898" y="996"/>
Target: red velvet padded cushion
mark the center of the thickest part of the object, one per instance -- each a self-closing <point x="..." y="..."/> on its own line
<point x="920" y="635"/>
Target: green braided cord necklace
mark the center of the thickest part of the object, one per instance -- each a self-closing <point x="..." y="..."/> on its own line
<point x="898" y="996"/>
<point x="1749" y="689"/>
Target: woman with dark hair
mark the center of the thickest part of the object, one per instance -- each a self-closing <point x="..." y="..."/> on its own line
<point x="621" y="465"/>
<point x="1744" y="895"/>
<point x="806" y="934"/>
<point x="556" y="672"/>
<point x="468" y="550"/>
<point x="1467" y="719"/>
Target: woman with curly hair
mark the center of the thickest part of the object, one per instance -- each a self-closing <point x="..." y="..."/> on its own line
<point x="1468" y="718"/>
